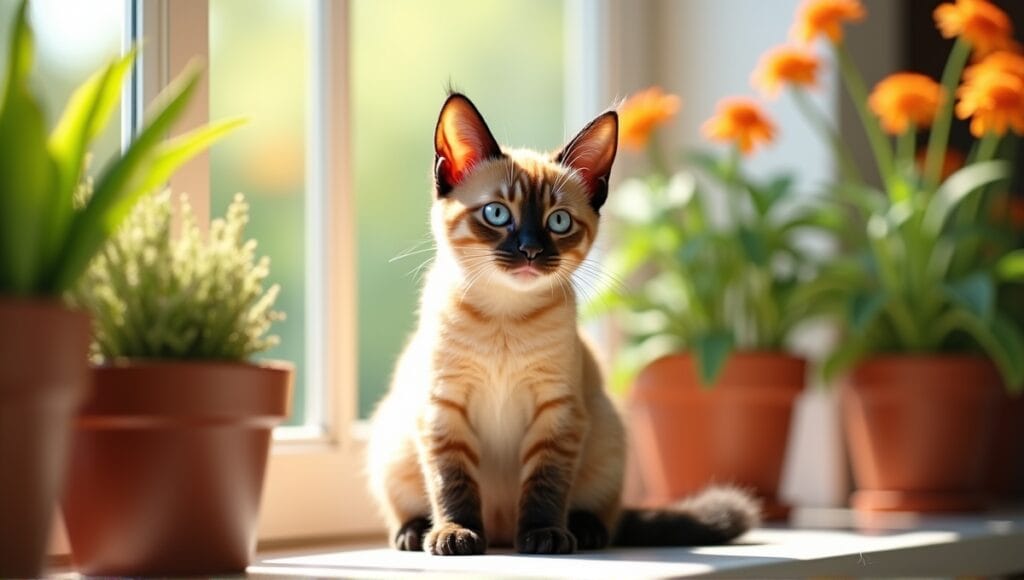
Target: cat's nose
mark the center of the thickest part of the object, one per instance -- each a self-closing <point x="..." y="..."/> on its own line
<point x="530" y="249"/>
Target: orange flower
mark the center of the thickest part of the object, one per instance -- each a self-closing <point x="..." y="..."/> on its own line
<point x="785" y="64"/>
<point x="992" y="94"/>
<point x="903" y="100"/>
<point x="818" y="17"/>
<point x="739" y="120"/>
<point x="979" y="22"/>
<point x="953" y="161"/>
<point x="997" y="62"/>
<point x="994" y="101"/>
<point x="642" y="112"/>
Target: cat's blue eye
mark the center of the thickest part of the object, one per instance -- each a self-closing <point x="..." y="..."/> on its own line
<point x="560" y="221"/>
<point x="497" y="214"/>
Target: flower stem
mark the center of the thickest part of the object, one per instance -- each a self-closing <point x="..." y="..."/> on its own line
<point x="847" y="166"/>
<point x="656" y="157"/>
<point x="905" y="147"/>
<point x="880" y="146"/>
<point x="939" y="138"/>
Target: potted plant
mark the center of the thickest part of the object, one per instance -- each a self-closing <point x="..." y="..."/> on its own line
<point x="926" y="343"/>
<point x="169" y="453"/>
<point x="46" y="241"/>
<point x="712" y="308"/>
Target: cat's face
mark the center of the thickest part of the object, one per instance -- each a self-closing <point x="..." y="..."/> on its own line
<point x="518" y="217"/>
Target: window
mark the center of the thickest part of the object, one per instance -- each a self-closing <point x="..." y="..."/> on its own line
<point x="259" y="69"/>
<point x="509" y="58"/>
<point x="335" y="163"/>
<point x="73" y="39"/>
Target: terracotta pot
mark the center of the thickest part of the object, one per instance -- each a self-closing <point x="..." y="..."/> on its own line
<point x="1006" y="475"/>
<point x="687" y="436"/>
<point x="44" y="351"/>
<point x="919" y="430"/>
<point x="167" y="466"/>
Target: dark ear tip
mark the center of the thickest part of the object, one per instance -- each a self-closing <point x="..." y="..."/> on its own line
<point x="454" y="95"/>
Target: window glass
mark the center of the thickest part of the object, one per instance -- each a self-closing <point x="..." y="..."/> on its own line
<point x="73" y="40"/>
<point x="508" y="57"/>
<point x="260" y="69"/>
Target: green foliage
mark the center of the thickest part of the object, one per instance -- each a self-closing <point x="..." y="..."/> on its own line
<point x="924" y="281"/>
<point x="45" y="241"/>
<point x="156" y="295"/>
<point x="712" y="275"/>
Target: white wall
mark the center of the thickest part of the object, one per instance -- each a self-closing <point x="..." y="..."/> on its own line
<point x="707" y="49"/>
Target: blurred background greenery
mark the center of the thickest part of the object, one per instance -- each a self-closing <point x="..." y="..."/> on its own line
<point x="507" y="56"/>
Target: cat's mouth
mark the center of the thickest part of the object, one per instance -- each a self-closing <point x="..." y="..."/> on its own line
<point x="526" y="272"/>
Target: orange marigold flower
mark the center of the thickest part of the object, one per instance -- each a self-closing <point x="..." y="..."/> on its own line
<point x="642" y="112"/>
<point x="740" y="121"/>
<point x="979" y="22"/>
<point x="993" y="101"/>
<point x="903" y="100"/>
<point x="825" y="17"/>
<point x="951" y="163"/>
<point x="997" y="62"/>
<point x="785" y="65"/>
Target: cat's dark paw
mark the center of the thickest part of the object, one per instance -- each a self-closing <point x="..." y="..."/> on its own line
<point x="410" y="535"/>
<point x="545" y="541"/>
<point x="455" y="540"/>
<point x="590" y="531"/>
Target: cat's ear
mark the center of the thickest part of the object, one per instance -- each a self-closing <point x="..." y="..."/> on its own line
<point x="591" y="153"/>
<point x="461" y="140"/>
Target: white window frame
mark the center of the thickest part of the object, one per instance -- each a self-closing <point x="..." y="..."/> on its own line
<point x="315" y="486"/>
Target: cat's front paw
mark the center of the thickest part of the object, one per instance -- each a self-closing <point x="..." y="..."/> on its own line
<point x="590" y="532"/>
<point x="545" y="541"/>
<point x="455" y="540"/>
<point x="410" y="535"/>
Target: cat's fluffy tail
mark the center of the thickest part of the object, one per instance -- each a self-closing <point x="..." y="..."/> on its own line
<point x="714" y="516"/>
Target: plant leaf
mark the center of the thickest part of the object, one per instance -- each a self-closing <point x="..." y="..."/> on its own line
<point x="86" y="114"/>
<point x="712" y="350"/>
<point x="27" y="172"/>
<point x="150" y="174"/>
<point x="976" y="293"/>
<point x="842" y="358"/>
<point x="957" y="187"/>
<point x="999" y="337"/>
<point x="864" y="310"/>
<point x="753" y="246"/>
<point x="765" y="197"/>
<point x="1011" y="267"/>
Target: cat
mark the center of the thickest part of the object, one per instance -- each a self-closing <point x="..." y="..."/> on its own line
<point x="496" y="429"/>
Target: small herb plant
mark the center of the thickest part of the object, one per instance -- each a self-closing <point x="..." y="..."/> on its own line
<point x="46" y="241"/>
<point x="157" y="295"/>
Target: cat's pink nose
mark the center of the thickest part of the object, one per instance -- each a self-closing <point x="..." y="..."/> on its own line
<point x="530" y="250"/>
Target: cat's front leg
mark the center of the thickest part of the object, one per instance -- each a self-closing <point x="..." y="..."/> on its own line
<point x="450" y="457"/>
<point x="549" y="458"/>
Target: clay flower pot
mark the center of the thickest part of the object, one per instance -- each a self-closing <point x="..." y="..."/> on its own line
<point x="687" y="436"/>
<point x="44" y="376"/>
<point x="920" y="431"/>
<point x="1006" y="475"/>
<point x="167" y="466"/>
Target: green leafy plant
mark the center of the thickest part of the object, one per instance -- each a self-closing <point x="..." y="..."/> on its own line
<point x="708" y="259"/>
<point x="46" y="242"/>
<point x="925" y="258"/>
<point x="707" y="278"/>
<point x="154" y="294"/>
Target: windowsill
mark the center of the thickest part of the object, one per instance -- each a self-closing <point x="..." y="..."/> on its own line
<point x="819" y="542"/>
